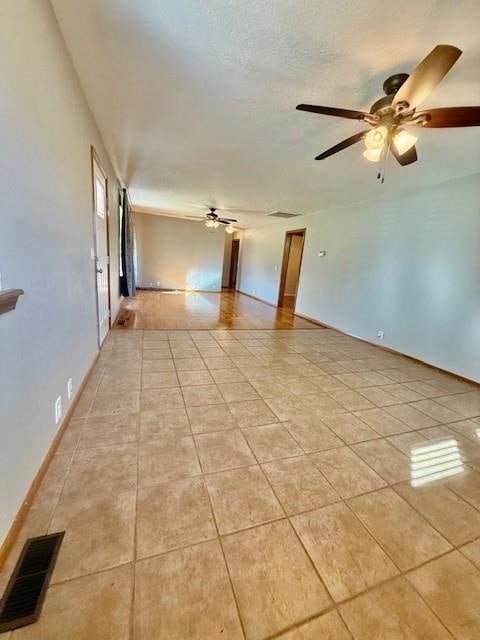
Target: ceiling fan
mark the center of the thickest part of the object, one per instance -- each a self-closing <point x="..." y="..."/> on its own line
<point x="212" y="220"/>
<point x="388" y="115"/>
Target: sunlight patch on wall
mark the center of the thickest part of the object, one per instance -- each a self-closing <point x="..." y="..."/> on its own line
<point x="203" y="281"/>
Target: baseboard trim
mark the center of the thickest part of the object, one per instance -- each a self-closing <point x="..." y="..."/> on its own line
<point x="115" y="318"/>
<point x="375" y="344"/>
<point x="270" y="304"/>
<point x="394" y="351"/>
<point x="22" y="513"/>
<point x="163" y="290"/>
<point x="249" y="295"/>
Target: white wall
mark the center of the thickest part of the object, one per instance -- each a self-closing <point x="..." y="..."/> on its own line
<point x="178" y="254"/>
<point x="46" y="232"/>
<point x="406" y="263"/>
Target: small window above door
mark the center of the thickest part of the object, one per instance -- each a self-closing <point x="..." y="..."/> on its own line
<point x="99" y="197"/>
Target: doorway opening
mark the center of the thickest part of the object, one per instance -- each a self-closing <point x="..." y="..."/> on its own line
<point x="101" y="248"/>
<point x="230" y="262"/>
<point x="291" y="265"/>
<point x="232" y="282"/>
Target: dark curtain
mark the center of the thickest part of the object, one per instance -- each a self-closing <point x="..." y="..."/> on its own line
<point x="127" y="280"/>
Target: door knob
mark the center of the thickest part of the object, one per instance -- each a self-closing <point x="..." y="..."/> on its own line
<point x="99" y="270"/>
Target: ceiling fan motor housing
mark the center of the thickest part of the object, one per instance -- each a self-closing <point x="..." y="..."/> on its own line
<point x="383" y="106"/>
<point x="393" y="83"/>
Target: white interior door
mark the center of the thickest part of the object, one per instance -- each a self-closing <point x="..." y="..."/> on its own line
<point x="101" y="249"/>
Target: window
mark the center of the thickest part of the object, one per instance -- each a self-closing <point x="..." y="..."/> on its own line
<point x="120" y="233"/>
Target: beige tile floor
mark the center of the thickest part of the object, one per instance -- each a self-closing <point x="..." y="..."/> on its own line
<point x="257" y="484"/>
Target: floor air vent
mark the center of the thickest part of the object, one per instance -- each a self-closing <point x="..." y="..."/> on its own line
<point x="23" y="598"/>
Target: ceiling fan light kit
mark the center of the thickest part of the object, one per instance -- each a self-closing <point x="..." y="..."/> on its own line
<point x="389" y="115"/>
<point x="211" y="220"/>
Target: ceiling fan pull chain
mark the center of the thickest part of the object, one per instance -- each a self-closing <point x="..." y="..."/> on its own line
<point x="379" y="174"/>
<point x="383" y="157"/>
<point x="385" y="160"/>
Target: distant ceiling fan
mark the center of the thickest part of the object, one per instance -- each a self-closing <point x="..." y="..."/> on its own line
<point x="397" y="109"/>
<point x="212" y="220"/>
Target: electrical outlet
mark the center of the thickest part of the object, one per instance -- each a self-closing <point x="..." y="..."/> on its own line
<point x="69" y="388"/>
<point x="380" y="335"/>
<point x="58" y="409"/>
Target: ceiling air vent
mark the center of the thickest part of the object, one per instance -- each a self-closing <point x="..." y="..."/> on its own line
<point x="283" y="214"/>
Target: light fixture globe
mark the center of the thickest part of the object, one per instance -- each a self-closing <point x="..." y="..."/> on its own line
<point x="230" y="230"/>
<point x="375" y="139"/>
<point x="373" y="155"/>
<point x="403" y="141"/>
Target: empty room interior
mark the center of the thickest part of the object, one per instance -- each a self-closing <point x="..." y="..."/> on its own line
<point x="239" y="320"/>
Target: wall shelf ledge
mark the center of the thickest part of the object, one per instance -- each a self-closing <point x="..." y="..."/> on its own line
<point x="8" y="299"/>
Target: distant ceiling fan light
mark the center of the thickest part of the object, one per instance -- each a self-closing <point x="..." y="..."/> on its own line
<point x="373" y="154"/>
<point x="403" y="141"/>
<point x="230" y="229"/>
<point x="375" y="138"/>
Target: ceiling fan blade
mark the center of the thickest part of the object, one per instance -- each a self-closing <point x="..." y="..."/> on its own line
<point x="228" y="220"/>
<point x="343" y="145"/>
<point x="241" y="210"/>
<point x="426" y="76"/>
<point x="450" y="117"/>
<point x="333" y="111"/>
<point x="408" y="157"/>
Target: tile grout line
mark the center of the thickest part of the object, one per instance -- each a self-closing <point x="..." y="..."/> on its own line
<point x="134" y="554"/>
<point x="212" y="511"/>
<point x="292" y="528"/>
<point x="400" y="574"/>
<point x="389" y="485"/>
<point x="74" y="452"/>
<point x="371" y="533"/>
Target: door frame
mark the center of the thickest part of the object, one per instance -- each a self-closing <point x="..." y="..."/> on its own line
<point x="230" y="277"/>
<point x="95" y="160"/>
<point x="286" y="256"/>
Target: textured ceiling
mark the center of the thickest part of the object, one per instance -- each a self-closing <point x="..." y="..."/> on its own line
<point x="196" y="100"/>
